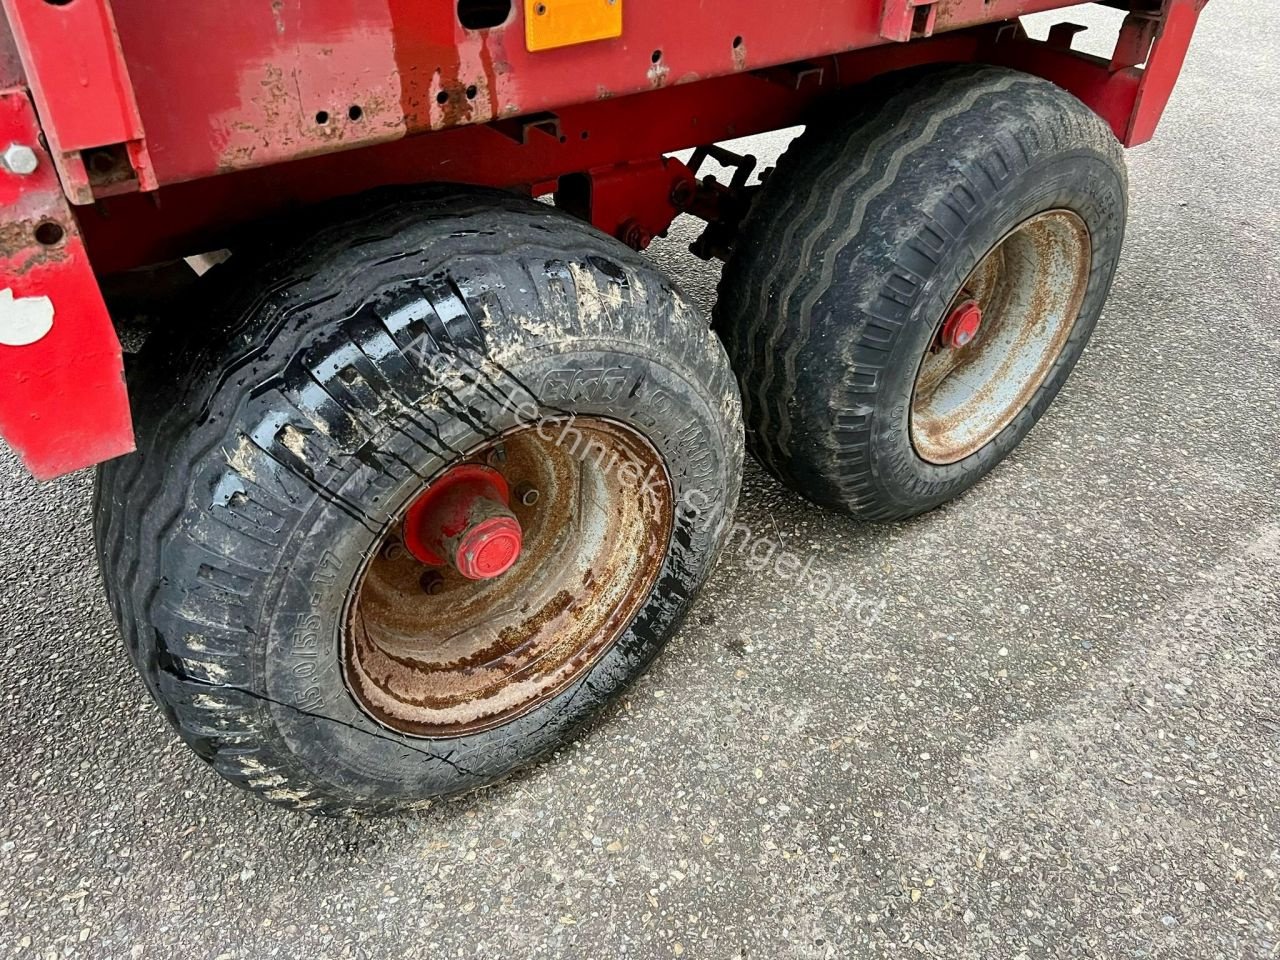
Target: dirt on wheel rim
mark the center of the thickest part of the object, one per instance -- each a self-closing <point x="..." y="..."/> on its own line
<point x="1027" y="292"/>
<point x="429" y="652"/>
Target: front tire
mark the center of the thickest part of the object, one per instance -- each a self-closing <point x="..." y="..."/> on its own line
<point x="873" y="237"/>
<point x="254" y="548"/>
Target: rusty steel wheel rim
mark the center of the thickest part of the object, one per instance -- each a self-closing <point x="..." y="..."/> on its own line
<point x="1000" y="336"/>
<point x="429" y="652"/>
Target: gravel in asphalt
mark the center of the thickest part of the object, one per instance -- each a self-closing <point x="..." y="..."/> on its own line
<point x="1046" y="726"/>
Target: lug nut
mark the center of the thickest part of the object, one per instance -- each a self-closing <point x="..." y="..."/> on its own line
<point x="527" y="494"/>
<point x="431" y="582"/>
<point x="497" y="456"/>
<point x="20" y="159"/>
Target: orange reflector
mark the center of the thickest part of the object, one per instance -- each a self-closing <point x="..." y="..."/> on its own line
<point x="562" y="23"/>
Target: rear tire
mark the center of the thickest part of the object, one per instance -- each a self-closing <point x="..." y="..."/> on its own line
<point x="860" y="246"/>
<point x="280" y="447"/>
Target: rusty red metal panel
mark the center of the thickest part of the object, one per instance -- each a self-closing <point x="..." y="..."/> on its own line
<point x="241" y="83"/>
<point x="10" y="64"/>
<point x="129" y="231"/>
<point x="63" y="403"/>
<point x="77" y="75"/>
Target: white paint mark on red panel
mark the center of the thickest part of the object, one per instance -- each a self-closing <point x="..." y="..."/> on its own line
<point x="24" y="320"/>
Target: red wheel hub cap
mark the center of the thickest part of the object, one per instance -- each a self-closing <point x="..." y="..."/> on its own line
<point x="961" y="326"/>
<point x="462" y="519"/>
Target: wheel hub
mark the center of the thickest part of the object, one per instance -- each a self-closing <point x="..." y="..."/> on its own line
<point x="1000" y="337"/>
<point x="961" y="325"/>
<point x="463" y="519"/>
<point x="541" y="546"/>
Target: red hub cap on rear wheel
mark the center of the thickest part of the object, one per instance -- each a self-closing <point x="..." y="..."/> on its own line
<point x="961" y="326"/>
<point x="463" y="519"/>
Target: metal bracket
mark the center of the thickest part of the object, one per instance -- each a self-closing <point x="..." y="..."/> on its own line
<point x="634" y="202"/>
<point x="84" y="95"/>
<point x="904" y="20"/>
<point x="520" y="129"/>
<point x="722" y="207"/>
<point x="1133" y="46"/>
<point x="63" y="403"/>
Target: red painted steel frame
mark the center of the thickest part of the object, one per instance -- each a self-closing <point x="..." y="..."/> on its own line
<point x="81" y="87"/>
<point x="593" y="136"/>
<point x="242" y="83"/>
<point x="240" y="109"/>
<point x="62" y="397"/>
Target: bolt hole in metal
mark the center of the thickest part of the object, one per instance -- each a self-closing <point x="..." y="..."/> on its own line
<point x="49" y="233"/>
<point x="1027" y="292"/>
<point x="429" y="652"/>
<point x="322" y="117"/>
<point x="101" y="162"/>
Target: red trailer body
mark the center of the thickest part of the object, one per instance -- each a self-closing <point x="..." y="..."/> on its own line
<point x="429" y="472"/>
<point x="154" y="130"/>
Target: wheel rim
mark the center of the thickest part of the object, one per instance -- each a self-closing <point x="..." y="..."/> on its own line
<point x="1000" y="336"/>
<point x="430" y="650"/>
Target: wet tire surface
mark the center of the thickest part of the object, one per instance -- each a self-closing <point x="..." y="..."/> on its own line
<point x="328" y="382"/>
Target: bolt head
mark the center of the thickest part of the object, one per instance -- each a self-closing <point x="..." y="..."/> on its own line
<point x="20" y="159"/>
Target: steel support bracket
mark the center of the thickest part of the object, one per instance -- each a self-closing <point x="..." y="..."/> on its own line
<point x="901" y="20"/>
<point x="83" y="94"/>
<point x="63" y="403"/>
<point x="634" y="202"/>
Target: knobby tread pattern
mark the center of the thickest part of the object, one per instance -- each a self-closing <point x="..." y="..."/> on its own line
<point x="194" y="381"/>
<point x="840" y="243"/>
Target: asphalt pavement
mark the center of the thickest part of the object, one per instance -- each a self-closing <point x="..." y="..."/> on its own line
<point x="1039" y="722"/>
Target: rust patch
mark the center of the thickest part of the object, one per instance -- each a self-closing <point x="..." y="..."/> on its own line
<point x="1030" y="287"/>
<point x="470" y="655"/>
<point x="277" y="120"/>
<point x="513" y="637"/>
<point x="21" y="252"/>
<point x="449" y="76"/>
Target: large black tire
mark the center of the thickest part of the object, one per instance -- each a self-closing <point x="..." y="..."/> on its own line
<point x="327" y="376"/>
<point x="860" y="239"/>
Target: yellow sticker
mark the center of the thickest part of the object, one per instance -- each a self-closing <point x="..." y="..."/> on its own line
<point x="562" y="23"/>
